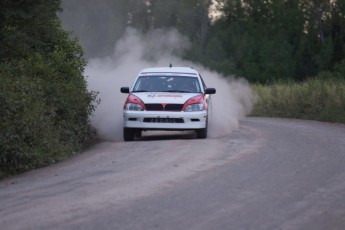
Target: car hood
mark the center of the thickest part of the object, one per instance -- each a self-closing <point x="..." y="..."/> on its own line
<point x="164" y="97"/>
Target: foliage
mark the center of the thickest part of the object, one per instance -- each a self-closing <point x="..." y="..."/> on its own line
<point x="270" y="40"/>
<point x="45" y="105"/>
<point x="100" y="25"/>
<point x="321" y="99"/>
<point x="263" y="41"/>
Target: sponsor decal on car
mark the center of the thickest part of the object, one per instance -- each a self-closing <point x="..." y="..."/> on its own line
<point x="169" y="95"/>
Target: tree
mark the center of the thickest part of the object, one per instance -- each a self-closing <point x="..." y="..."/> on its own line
<point x="259" y="40"/>
<point x="100" y="25"/>
<point x="45" y="105"/>
<point x="266" y="40"/>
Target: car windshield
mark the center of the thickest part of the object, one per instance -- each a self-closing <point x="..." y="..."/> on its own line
<point x="167" y="84"/>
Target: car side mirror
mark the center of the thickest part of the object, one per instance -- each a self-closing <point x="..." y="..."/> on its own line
<point x="124" y="89"/>
<point x="210" y="91"/>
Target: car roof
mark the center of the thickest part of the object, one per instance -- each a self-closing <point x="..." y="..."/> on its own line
<point x="187" y="71"/>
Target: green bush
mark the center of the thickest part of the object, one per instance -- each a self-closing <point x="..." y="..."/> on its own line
<point x="321" y="99"/>
<point x="44" y="118"/>
<point x="44" y="102"/>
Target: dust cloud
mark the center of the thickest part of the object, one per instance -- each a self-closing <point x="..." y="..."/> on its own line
<point x="136" y="51"/>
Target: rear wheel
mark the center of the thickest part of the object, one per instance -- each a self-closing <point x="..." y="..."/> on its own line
<point x="128" y="134"/>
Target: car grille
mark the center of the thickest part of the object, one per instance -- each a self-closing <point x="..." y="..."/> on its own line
<point x="163" y="120"/>
<point x="154" y="107"/>
<point x="161" y="107"/>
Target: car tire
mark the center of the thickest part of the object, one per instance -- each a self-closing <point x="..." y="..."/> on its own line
<point x="128" y="134"/>
<point x="137" y="133"/>
<point x="202" y="133"/>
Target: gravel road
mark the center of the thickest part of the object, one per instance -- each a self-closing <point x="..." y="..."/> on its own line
<point x="269" y="174"/>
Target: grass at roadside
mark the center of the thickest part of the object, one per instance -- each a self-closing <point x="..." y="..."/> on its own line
<point x="315" y="99"/>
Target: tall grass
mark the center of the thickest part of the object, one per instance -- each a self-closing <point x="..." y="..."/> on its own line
<point x="315" y="99"/>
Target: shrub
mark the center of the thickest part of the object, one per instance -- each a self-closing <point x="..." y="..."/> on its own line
<point x="44" y="102"/>
<point x="316" y="99"/>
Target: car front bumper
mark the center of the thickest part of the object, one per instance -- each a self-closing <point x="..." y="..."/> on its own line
<point x="157" y="120"/>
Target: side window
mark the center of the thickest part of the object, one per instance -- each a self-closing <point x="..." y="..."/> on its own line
<point x="138" y="84"/>
<point x="203" y="83"/>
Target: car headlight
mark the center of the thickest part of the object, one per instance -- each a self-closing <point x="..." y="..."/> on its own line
<point x="194" y="107"/>
<point x="135" y="107"/>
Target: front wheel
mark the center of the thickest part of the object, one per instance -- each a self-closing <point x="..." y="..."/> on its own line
<point x="137" y="133"/>
<point x="202" y="133"/>
<point x="128" y="134"/>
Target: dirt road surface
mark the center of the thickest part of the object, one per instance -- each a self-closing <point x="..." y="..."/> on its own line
<point x="269" y="174"/>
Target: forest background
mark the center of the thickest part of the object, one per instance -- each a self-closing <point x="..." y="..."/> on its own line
<point x="291" y="51"/>
<point x="262" y="41"/>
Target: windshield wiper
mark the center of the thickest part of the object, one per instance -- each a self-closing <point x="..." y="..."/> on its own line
<point x="139" y="91"/>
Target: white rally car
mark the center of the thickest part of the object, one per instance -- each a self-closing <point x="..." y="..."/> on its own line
<point x="166" y="98"/>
